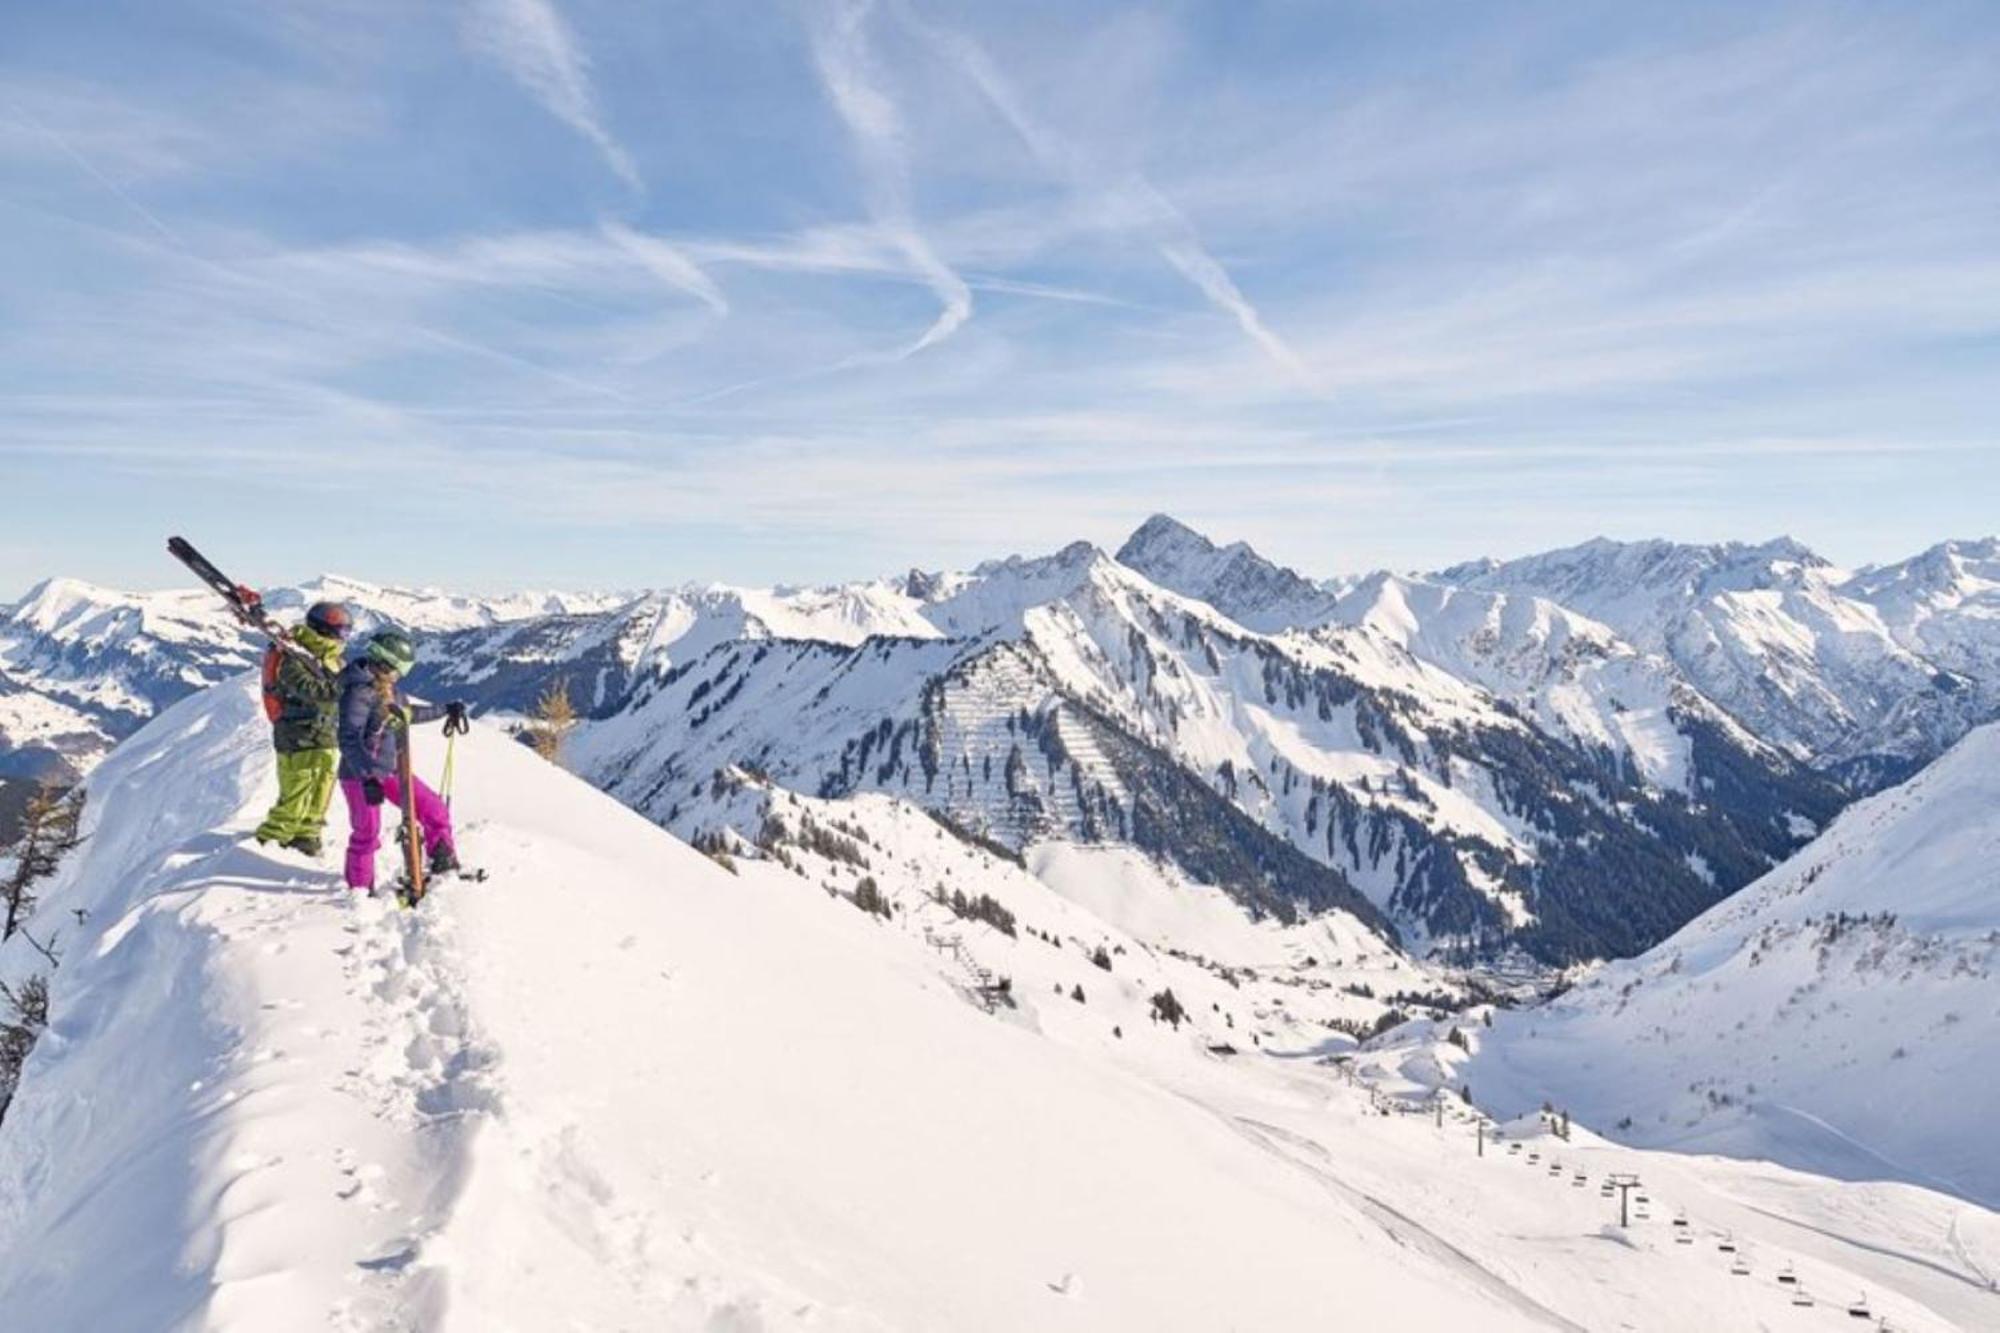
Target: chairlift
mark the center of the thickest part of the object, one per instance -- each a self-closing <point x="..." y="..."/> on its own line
<point x="1799" y="1297"/>
<point x="1787" y="1276"/>
<point x="1681" y="1218"/>
<point x="1858" y="1307"/>
<point x="1683" y="1238"/>
<point x="1741" y="1268"/>
<point x="1727" y="1244"/>
<point x="1580" y="1180"/>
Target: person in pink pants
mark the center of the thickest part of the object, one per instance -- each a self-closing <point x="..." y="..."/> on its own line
<point x="365" y="822"/>
<point x="375" y="719"/>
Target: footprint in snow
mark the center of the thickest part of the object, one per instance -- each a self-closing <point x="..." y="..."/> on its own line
<point x="393" y="1262"/>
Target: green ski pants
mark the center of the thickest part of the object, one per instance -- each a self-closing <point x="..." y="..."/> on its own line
<point x="305" y="785"/>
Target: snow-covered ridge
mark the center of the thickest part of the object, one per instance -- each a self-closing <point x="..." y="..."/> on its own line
<point x="434" y="610"/>
<point x="1096" y="706"/>
<point x="1574" y="676"/>
<point x="1879" y="670"/>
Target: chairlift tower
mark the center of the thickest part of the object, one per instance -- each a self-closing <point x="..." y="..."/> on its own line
<point x="1624" y="1182"/>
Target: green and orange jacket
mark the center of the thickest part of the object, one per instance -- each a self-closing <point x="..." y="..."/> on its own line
<point x="308" y="698"/>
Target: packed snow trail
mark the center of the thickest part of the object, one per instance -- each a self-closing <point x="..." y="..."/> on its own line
<point x="615" y="1086"/>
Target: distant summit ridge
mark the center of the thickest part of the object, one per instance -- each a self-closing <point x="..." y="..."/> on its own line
<point x="1255" y="592"/>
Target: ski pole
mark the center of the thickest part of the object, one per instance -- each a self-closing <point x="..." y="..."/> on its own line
<point x="454" y="727"/>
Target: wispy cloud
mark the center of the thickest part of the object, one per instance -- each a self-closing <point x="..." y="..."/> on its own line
<point x="531" y="41"/>
<point x="669" y="264"/>
<point x="1654" y="275"/>
<point x="841" y="47"/>
<point x="1128" y="200"/>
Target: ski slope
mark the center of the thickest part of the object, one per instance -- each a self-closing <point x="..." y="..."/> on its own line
<point x="620" y="1086"/>
<point x="1841" y="1014"/>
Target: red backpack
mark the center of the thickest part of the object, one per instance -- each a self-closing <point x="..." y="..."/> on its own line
<point x="274" y="703"/>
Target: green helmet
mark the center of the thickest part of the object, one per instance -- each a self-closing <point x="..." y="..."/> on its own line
<point x="392" y="649"/>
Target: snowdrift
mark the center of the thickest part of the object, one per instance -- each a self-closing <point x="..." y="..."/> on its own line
<point x="615" y="1086"/>
<point x="1839" y="1015"/>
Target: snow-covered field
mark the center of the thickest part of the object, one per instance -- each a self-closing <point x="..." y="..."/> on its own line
<point x="619" y="1085"/>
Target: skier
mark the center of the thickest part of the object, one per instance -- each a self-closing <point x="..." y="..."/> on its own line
<point x="300" y="694"/>
<point x="375" y="718"/>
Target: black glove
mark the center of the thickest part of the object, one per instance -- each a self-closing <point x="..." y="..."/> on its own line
<point x="371" y="788"/>
<point x="456" y="722"/>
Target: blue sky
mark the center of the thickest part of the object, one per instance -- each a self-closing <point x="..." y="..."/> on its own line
<point x="584" y="292"/>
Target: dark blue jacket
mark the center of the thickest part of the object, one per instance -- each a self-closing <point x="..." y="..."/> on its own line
<point x="370" y="739"/>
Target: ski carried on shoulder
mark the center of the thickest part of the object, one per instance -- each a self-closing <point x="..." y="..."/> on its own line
<point x="244" y="602"/>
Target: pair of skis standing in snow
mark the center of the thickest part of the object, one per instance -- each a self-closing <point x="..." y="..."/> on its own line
<point x="345" y="723"/>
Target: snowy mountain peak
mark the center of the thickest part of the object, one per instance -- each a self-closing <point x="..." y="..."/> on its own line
<point x="1164" y="538"/>
<point x="995" y="597"/>
<point x="73" y="606"/>
<point x="52" y="598"/>
<point x="1949" y="569"/>
<point x="1255" y="592"/>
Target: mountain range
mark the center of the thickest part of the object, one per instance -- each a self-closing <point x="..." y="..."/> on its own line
<point x="1557" y="758"/>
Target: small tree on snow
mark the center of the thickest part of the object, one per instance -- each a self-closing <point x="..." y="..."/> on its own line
<point x="49" y="828"/>
<point x="555" y="718"/>
<point x="24" y="1012"/>
<point x="868" y="897"/>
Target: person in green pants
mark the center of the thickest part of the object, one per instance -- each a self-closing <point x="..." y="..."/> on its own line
<point x="302" y="699"/>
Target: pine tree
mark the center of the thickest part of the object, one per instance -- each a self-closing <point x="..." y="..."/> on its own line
<point x="868" y="897"/>
<point x="49" y="828"/>
<point x="26" y="1014"/>
<point x="554" y="719"/>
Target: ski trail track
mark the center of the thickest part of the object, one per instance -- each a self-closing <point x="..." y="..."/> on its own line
<point x="1399" y="1226"/>
<point x="422" y="1070"/>
<point x="402" y="1088"/>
